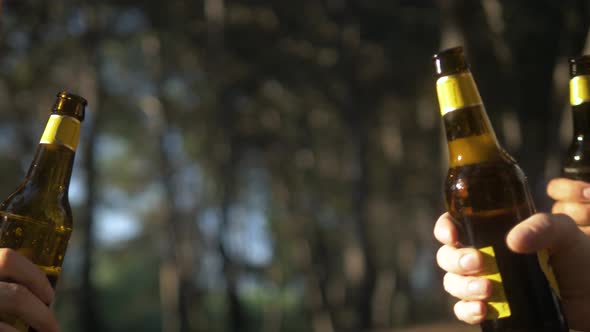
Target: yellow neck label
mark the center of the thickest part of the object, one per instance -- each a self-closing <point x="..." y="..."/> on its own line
<point x="62" y="130"/>
<point x="579" y="89"/>
<point x="457" y="91"/>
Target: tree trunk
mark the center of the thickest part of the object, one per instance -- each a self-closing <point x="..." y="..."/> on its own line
<point x="90" y="88"/>
<point x="235" y="312"/>
<point x="320" y="311"/>
<point x="360" y="201"/>
<point x="215" y="15"/>
<point x="88" y="315"/>
<point x="174" y="282"/>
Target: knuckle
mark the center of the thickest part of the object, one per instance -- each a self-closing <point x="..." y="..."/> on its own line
<point x="7" y="328"/>
<point x="544" y="221"/>
<point x="15" y="293"/>
<point x="447" y="282"/>
<point x="6" y="257"/>
<point x="470" y="312"/>
<point x="439" y="255"/>
<point x="544" y="218"/>
<point x="478" y="288"/>
<point x="470" y="251"/>
<point x="442" y="257"/>
<point x="580" y="213"/>
<point x="488" y="288"/>
<point x="555" y="188"/>
<point x="469" y="261"/>
<point x="481" y="312"/>
<point x="458" y="310"/>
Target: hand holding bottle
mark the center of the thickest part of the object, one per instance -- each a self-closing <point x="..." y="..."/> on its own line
<point x="572" y="198"/>
<point x="25" y="293"/>
<point x="487" y="194"/>
<point x="569" y="249"/>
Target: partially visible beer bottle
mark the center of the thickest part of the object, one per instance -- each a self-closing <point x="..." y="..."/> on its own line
<point x="577" y="162"/>
<point x="36" y="219"/>
<point x="487" y="194"/>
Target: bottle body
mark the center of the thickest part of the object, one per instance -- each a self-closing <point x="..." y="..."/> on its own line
<point x="37" y="222"/>
<point x="487" y="200"/>
<point x="577" y="162"/>
<point x="487" y="194"/>
<point x="36" y="219"/>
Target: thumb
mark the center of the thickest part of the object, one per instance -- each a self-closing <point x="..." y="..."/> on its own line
<point x="555" y="232"/>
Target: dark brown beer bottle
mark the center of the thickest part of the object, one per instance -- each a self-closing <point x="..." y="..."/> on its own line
<point x="36" y="219"/>
<point x="487" y="194"/>
<point x="577" y="162"/>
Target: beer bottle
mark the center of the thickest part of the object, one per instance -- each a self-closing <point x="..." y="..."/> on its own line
<point x="577" y="162"/>
<point x="36" y="219"/>
<point x="487" y="194"/>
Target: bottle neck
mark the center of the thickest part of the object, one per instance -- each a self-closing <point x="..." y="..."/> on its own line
<point x="581" y="119"/>
<point x="580" y="101"/>
<point x="470" y="136"/>
<point x="52" y="165"/>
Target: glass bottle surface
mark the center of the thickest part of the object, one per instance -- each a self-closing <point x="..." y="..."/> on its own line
<point x="577" y="162"/>
<point x="487" y="194"/>
<point x="36" y="219"/>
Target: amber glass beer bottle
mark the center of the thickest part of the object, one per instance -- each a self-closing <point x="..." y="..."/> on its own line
<point x="36" y="219"/>
<point x="487" y="194"/>
<point x="577" y="161"/>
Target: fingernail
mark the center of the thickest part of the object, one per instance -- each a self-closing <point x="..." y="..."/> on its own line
<point x="476" y="286"/>
<point x="586" y="193"/>
<point x="468" y="262"/>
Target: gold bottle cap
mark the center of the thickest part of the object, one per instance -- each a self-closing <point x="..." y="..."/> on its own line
<point x="69" y="104"/>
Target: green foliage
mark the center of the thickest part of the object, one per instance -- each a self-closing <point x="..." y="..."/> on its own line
<point x="127" y="284"/>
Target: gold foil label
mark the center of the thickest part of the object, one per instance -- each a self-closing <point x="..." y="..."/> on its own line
<point x="456" y="91"/>
<point x="579" y="89"/>
<point x="498" y="306"/>
<point x="62" y="130"/>
<point x="543" y="257"/>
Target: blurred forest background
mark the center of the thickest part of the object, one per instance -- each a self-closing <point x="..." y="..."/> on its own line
<point x="251" y="165"/>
